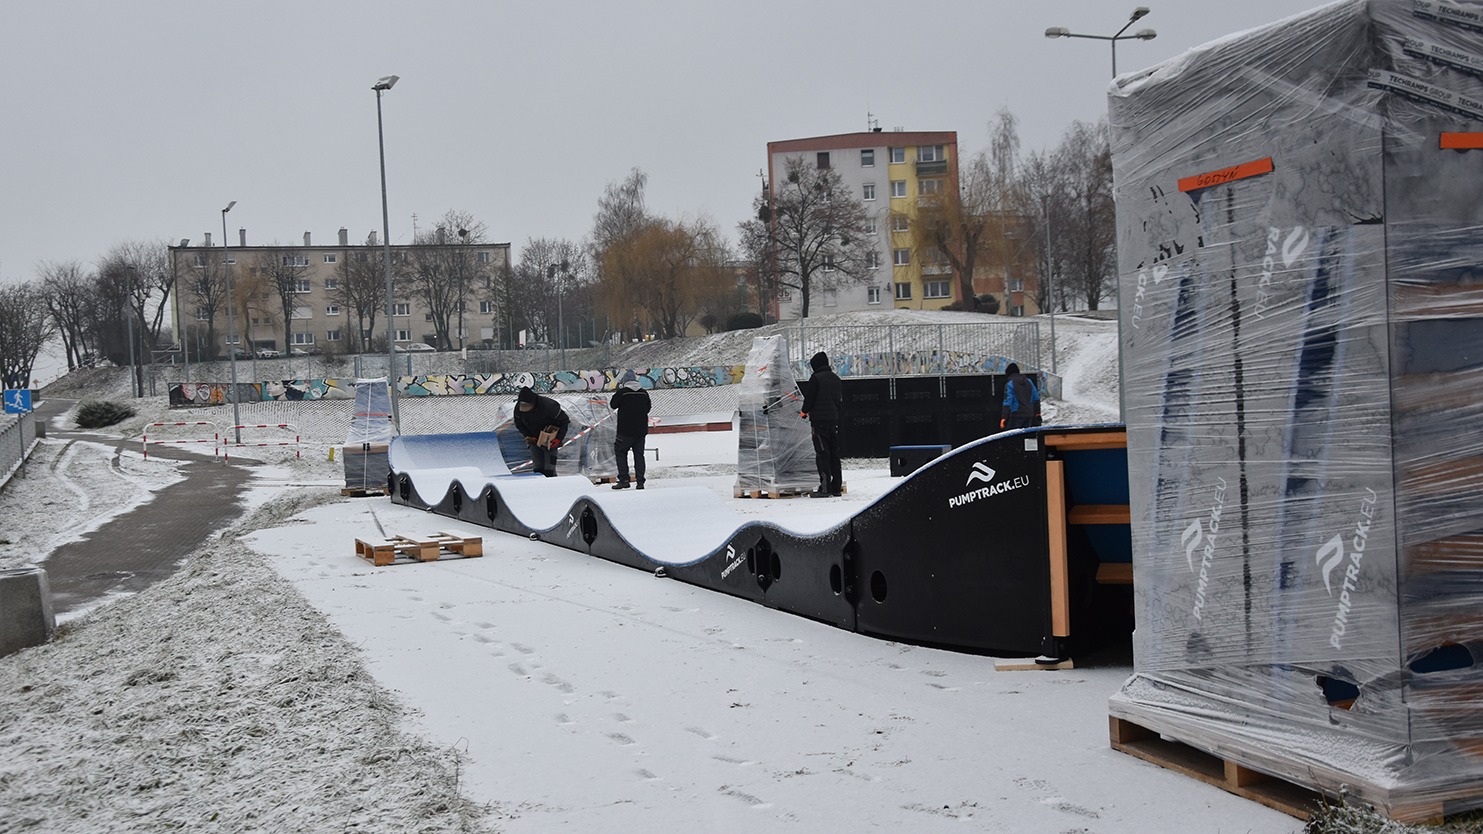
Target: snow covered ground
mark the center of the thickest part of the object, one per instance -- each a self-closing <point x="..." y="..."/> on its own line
<point x="278" y="682"/>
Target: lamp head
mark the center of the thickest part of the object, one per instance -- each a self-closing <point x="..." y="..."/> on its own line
<point x="229" y="207"/>
<point x="1145" y="34"/>
<point x="1058" y="32"/>
<point x="386" y="82"/>
<point x="1139" y="13"/>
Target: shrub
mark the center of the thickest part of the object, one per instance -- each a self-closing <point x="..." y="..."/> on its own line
<point x="93" y="414"/>
<point x="743" y="321"/>
<point x="988" y="303"/>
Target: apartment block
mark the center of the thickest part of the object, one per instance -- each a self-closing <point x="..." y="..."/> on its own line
<point x="889" y="173"/>
<point x="322" y="316"/>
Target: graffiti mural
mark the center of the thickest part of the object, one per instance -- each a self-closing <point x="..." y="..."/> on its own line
<point x="928" y="363"/>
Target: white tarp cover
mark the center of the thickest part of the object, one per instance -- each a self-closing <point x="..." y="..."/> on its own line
<point x="1304" y="388"/>
<point x="775" y="447"/>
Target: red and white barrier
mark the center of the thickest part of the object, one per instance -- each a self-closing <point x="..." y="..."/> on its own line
<point x="298" y="452"/>
<point x="214" y="440"/>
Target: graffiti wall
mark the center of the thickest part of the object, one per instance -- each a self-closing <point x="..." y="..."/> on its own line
<point x="188" y="394"/>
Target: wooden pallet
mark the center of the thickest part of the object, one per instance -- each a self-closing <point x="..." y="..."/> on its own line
<point x="786" y="493"/>
<point x="603" y="479"/>
<point x="1136" y="740"/>
<point x="421" y="548"/>
<point x="366" y="492"/>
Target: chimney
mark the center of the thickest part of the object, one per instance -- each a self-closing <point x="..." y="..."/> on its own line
<point x="442" y="235"/>
<point x="306" y="238"/>
<point x="208" y="239"/>
<point x="371" y="238"/>
<point x="344" y="237"/>
<point x="242" y="236"/>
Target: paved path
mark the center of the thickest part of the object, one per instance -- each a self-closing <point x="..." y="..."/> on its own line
<point x="147" y="544"/>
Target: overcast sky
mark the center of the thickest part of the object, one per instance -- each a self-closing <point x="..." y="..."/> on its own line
<point x="141" y="120"/>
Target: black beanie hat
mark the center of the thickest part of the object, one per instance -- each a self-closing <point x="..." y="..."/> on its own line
<point x="820" y="361"/>
<point x="1012" y="368"/>
<point x="526" y="395"/>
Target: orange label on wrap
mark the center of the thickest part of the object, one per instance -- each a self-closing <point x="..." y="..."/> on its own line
<point x="1225" y="175"/>
<point x="1462" y="141"/>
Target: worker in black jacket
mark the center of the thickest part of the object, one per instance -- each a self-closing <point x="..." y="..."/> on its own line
<point x="822" y="396"/>
<point x="536" y="415"/>
<point x="631" y="402"/>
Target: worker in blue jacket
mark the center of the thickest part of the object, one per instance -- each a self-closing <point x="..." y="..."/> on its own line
<point x="1021" y="400"/>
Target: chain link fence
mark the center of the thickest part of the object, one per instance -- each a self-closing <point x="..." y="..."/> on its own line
<point x="901" y="349"/>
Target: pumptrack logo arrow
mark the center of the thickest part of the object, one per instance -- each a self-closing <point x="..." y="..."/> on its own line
<point x="981" y="472"/>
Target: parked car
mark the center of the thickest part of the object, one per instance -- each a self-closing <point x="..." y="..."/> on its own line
<point x="268" y="353"/>
<point x="416" y="347"/>
<point x="305" y="352"/>
<point x="536" y="346"/>
<point x="236" y="353"/>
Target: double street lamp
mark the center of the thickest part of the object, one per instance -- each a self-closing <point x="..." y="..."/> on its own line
<point x="1140" y="35"/>
<point x="381" y="85"/>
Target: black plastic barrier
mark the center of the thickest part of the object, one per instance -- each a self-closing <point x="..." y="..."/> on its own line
<point x="878" y="413"/>
<point x="1017" y="543"/>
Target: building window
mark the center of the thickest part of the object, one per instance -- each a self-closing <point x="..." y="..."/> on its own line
<point x="201" y="314"/>
<point x="1017" y="310"/>
<point x="332" y="283"/>
<point x="903" y="292"/>
<point x="898" y="155"/>
<point x="933" y="256"/>
<point x="402" y="310"/>
<point x="937" y="289"/>
<point x="200" y="260"/>
<point x="365" y="336"/>
<point x="898" y="188"/>
<point x="872" y="259"/>
<point x="486" y="306"/>
<point x="403" y="336"/>
<point x="899" y="223"/>
<point x="901" y="257"/>
<point x="831" y="298"/>
<point x="1016" y="285"/>
<point x="483" y="257"/>
<point x="257" y="322"/>
<point x="329" y="259"/>
<point x="873" y="295"/>
<point x="295" y="260"/>
<point x="870" y="225"/>
<point x="303" y="338"/>
<point x="303" y="313"/>
<point x="234" y="340"/>
<point x="828" y="263"/>
<point x="823" y="160"/>
<point x="362" y="257"/>
<point x="332" y="310"/>
<point x="427" y="316"/>
<point x="870" y="191"/>
<point x="867" y="158"/>
<point x="302" y="285"/>
<point x="930" y="153"/>
<point x="928" y="187"/>
<point x="332" y="335"/>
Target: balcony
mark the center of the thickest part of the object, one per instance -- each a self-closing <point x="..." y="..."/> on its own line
<point x="937" y="269"/>
<point x="932" y="169"/>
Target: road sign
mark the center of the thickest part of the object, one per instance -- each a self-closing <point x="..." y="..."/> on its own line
<point x="17" y="400"/>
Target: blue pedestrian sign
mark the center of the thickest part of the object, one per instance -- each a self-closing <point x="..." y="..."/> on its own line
<point x="17" y="400"/>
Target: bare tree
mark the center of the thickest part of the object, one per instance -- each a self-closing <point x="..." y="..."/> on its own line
<point x="67" y="289"/>
<point x="1087" y="236"/>
<point x="441" y="269"/>
<point x="816" y="228"/>
<point x="283" y="276"/>
<point x="205" y="291"/>
<point x="361" y="287"/>
<point x="25" y="328"/>
<point x="552" y="273"/>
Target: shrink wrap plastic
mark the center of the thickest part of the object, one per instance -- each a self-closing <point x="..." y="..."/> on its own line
<point x="371" y="429"/>
<point x="1301" y="291"/>
<point x="775" y="447"/>
<point x="588" y="449"/>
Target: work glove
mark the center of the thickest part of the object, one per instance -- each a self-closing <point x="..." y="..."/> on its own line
<point x="803" y="414"/>
<point x="1001" y="423"/>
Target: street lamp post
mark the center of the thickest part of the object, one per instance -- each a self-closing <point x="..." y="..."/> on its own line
<point x="381" y="85"/>
<point x="129" y="307"/>
<point x="1140" y="35"/>
<point x="463" y="287"/>
<point x="226" y="271"/>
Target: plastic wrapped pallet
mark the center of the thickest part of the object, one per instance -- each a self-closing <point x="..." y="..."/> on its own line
<point x="371" y="429"/>
<point x="1301" y="287"/>
<point x="775" y="447"/>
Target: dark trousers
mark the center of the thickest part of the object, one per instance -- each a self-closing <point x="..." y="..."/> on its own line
<point x="621" y="445"/>
<point x="1014" y="422"/>
<point x="826" y="454"/>
<point x="544" y="460"/>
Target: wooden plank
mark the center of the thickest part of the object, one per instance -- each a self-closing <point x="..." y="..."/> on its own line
<point x="1030" y="665"/>
<point x="1123" y="731"/>
<point x="1100" y="514"/>
<point x="1055" y="512"/>
<point x="1087" y="440"/>
<point x="1115" y="573"/>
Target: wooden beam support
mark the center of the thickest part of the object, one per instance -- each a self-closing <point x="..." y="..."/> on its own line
<point x="1055" y="513"/>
